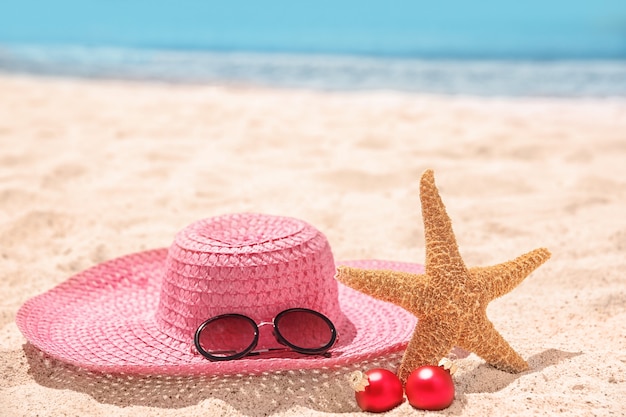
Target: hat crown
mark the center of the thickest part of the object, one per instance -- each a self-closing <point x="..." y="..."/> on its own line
<point x="251" y="264"/>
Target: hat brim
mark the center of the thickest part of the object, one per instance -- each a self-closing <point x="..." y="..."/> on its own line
<point x="103" y="319"/>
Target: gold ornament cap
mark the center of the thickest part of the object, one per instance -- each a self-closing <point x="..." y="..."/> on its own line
<point x="358" y="380"/>
<point x="448" y="365"/>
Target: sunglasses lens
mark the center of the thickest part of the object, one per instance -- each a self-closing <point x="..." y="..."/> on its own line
<point x="305" y="330"/>
<point x="228" y="336"/>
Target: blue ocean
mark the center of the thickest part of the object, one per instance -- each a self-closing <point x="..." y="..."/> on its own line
<point x="550" y="48"/>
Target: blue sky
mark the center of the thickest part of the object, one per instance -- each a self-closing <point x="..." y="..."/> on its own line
<point x="488" y="27"/>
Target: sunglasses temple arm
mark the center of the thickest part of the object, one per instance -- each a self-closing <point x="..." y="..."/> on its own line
<point x="279" y="349"/>
<point x="276" y="349"/>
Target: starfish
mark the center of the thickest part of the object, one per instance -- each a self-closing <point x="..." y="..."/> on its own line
<point x="449" y="299"/>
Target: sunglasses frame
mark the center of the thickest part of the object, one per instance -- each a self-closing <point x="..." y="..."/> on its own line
<point x="279" y="337"/>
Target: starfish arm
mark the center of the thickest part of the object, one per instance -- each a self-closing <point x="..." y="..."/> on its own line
<point x="443" y="260"/>
<point x="401" y="288"/>
<point x="499" y="279"/>
<point x="482" y="338"/>
<point x="431" y="341"/>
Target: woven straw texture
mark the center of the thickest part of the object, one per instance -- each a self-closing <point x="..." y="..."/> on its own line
<point x="137" y="314"/>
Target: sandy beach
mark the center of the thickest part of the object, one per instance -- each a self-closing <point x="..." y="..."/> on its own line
<point x="92" y="170"/>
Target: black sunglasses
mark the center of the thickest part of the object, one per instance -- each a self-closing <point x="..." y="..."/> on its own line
<point x="232" y="336"/>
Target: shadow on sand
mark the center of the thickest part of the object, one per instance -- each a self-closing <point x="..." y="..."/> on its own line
<point x="474" y="381"/>
<point x="325" y="390"/>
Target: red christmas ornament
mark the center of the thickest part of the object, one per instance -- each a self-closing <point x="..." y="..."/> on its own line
<point x="377" y="390"/>
<point x="430" y="388"/>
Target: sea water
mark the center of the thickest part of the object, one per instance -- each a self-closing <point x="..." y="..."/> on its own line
<point x="553" y="48"/>
<point x="483" y="77"/>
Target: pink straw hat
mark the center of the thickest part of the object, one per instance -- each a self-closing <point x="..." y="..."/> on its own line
<point x="138" y="313"/>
